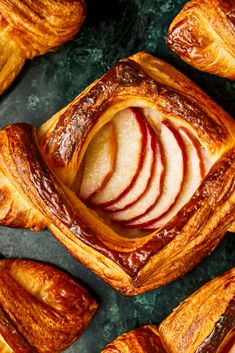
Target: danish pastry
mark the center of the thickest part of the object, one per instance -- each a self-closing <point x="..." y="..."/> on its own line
<point x="203" y="35"/>
<point x="30" y="28"/>
<point x="41" y="308"/>
<point x="135" y="177"/>
<point x="203" y="323"/>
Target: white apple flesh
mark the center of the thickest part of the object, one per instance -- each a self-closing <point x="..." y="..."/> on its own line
<point x="99" y="162"/>
<point x="174" y="156"/>
<point x="151" y="194"/>
<point x="192" y="179"/>
<point x="130" y="131"/>
<point x="143" y="179"/>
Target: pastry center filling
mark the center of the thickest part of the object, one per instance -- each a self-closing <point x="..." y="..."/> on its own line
<point x="140" y="169"/>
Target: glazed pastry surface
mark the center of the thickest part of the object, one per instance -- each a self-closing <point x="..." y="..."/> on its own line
<point x="41" y="308"/>
<point x="30" y="28"/>
<point x="204" y="320"/>
<point x="51" y="163"/>
<point x="203" y="323"/>
<point x="143" y="340"/>
<point x="203" y="34"/>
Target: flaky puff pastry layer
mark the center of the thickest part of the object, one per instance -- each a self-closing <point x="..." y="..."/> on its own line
<point x="146" y="339"/>
<point x="41" y="308"/>
<point x="39" y="171"/>
<point x="203" y="35"/>
<point x="203" y="323"/>
<point x="30" y="28"/>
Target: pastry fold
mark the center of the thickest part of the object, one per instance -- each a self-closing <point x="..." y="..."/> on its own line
<point x="203" y="35"/>
<point x="30" y="28"/>
<point x="41" y="308"/>
<point x="204" y="322"/>
<point x="40" y="173"/>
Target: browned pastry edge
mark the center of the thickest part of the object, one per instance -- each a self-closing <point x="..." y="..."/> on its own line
<point x="232" y="228"/>
<point x="203" y="320"/>
<point x="127" y="264"/>
<point x="203" y="34"/>
<point x="222" y="328"/>
<point x="200" y="324"/>
<point x="12" y="336"/>
<point x="41" y="308"/>
<point x="127" y="81"/>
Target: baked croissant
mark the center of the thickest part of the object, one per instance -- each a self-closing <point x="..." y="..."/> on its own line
<point x="203" y="323"/>
<point x="135" y="177"/>
<point x="203" y="35"/>
<point x="29" y="28"/>
<point x="41" y="308"/>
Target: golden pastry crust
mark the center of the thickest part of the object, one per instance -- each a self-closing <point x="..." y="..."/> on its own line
<point x="201" y="324"/>
<point x="30" y="28"/>
<point x="41" y="308"/>
<point x="202" y="321"/>
<point x="203" y="35"/>
<point x="232" y="228"/>
<point x="48" y="161"/>
<point x="143" y="340"/>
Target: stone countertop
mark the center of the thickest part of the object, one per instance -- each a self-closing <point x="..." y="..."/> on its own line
<point x="113" y="29"/>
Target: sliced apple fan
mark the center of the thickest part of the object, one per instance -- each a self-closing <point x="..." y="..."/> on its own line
<point x="141" y="176"/>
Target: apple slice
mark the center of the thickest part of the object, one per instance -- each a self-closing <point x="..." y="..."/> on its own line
<point x="99" y="161"/>
<point x="130" y="130"/>
<point x="143" y="179"/>
<point x="175" y="157"/>
<point x="152" y="192"/>
<point x="192" y="179"/>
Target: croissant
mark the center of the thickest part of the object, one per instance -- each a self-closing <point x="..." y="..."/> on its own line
<point x="30" y="28"/>
<point x="203" y="35"/>
<point x="135" y="177"/>
<point x="41" y="308"/>
<point x="203" y="323"/>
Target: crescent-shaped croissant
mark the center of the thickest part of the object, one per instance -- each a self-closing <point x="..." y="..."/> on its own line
<point x="41" y="308"/>
<point x="203" y="323"/>
<point x="135" y="177"/>
<point x="203" y="35"/>
<point x="29" y="28"/>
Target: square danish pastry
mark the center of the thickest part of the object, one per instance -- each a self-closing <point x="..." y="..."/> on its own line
<point x="135" y="177"/>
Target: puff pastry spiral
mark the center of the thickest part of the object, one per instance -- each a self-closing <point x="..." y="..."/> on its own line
<point x="203" y="323"/>
<point x="182" y="158"/>
<point x="203" y="34"/>
<point x="41" y="308"/>
<point x="30" y="28"/>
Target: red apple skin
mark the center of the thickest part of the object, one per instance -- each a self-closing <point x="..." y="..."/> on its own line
<point x="143" y="128"/>
<point x="184" y="132"/>
<point x="146" y="130"/>
<point x="206" y="161"/>
<point x="147" y="224"/>
<point x="198" y="148"/>
<point x="151" y="135"/>
<point x="160" y="159"/>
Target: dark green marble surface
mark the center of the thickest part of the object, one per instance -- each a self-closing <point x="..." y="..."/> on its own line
<point x="113" y="29"/>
